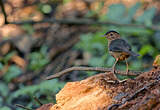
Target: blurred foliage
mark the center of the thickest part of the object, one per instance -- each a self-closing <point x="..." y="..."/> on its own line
<point x="13" y="72"/>
<point x="46" y="89"/>
<point x="66" y="1"/>
<point x="5" y="108"/>
<point x="1" y="66"/>
<point x="28" y="28"/>
<point x="38" y="59"/>
<point x="7" y="57"/>
<point x="4" y="89"/>
<point x="45" y="8"/>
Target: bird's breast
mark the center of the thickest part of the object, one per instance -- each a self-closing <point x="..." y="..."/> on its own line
<point x="119" y="55"/>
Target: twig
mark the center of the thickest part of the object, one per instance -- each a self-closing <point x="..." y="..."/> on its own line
<point x="37" y="100"/>
<point x="101" y="69"/>
<point x="85" y="22"/>
<point x="21" y="106"/>
<point x="3" y="11"/>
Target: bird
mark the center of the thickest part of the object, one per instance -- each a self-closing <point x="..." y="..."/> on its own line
<point x="119" y="49"/>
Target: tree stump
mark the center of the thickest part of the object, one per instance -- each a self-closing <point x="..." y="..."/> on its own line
<point x="99" y="92"/>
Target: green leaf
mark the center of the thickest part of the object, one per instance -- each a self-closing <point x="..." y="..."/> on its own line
<point x="9" y="56"/>
<point x="38" y="59"/>
<point x="1" y="66"/>
<point x="133" y="9"/>
<point x="43" y="49"/>
<point x="98" y="46"/>
<point x="44" y="87"/>
<point x="83" y="44"/>
<point x="12" y="72"/>
<point x="90" y="73"/>
<point x="5" y="108"/>
<point x="92" y="43"/>
<point x="1" y="101"/>
<point x="4" y="90"/>
<point x="132" y="12"/>
<point x="134" y="31"/>
<point x="116" y="12"/>
<point x="29" y="28"/>
<point x="147" y="16"/>
<point x="135" y="65"/>
<point x="110" y="61"/>
<point x="46" y="9"/>
<point x="96" y="62"/>
<point x="146" y="49"/>
<point x="66" y="1"/>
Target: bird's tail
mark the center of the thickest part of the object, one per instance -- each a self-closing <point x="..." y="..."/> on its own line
<point x="133" y="54"/>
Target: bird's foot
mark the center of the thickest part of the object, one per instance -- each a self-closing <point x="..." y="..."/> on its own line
<point x="121" y="81"/>
<point x="114" y="75"/>
<point x="117" y="81"/>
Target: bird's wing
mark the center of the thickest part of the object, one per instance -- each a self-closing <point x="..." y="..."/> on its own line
<point x="119" y="45"/>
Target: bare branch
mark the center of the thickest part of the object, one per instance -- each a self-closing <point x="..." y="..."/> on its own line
<point x="37" y="100"/>
<point x="86" y="22"/>
<point x="3" y="11"/>
<point x="21" y="106"/>
<point x="101" y="69"/>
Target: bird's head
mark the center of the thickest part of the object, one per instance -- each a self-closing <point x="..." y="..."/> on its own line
<point x="112" y="35"/>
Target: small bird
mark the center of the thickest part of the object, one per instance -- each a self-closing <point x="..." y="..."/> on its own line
<point x="119" y="49"/>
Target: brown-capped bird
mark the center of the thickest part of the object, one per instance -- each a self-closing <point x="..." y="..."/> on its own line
<point x="118" y="48"/>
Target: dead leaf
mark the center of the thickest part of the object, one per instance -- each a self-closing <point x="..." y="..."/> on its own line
<point x="19" y="61"/>
<point x="156" y="62"/>
<point x="5" y="48"/>
<point x="16" y="3"/>
<point x="11" y="30"/>
<point x="28" y="13"/>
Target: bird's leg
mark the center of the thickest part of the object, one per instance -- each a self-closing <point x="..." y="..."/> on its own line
<point x="126" y="72"/>
<point x="126" y="67"/>
<point x="113" y="68"/>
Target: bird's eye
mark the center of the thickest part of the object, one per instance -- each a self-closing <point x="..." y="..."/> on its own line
<point x="111" y="34"/>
